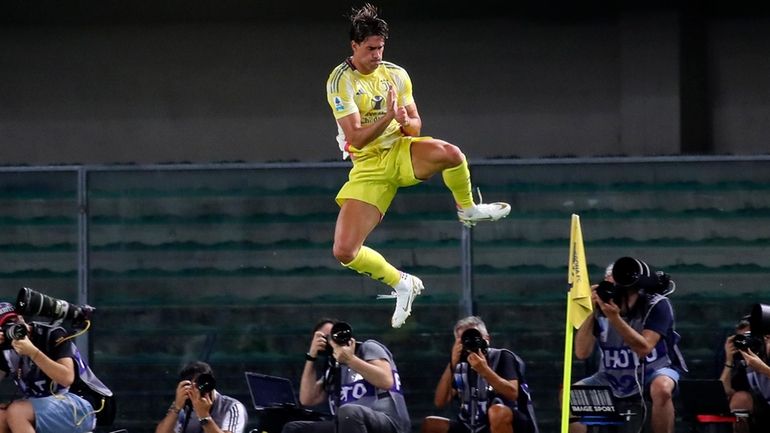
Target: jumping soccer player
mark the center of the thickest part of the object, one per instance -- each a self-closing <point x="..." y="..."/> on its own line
<point x="379" y="129"/>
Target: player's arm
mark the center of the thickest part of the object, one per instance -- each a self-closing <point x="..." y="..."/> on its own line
<point x="409" y="119"/>
<point x="358" y="135"/>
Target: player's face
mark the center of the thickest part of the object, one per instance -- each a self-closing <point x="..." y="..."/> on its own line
<point x="367" y="55"/>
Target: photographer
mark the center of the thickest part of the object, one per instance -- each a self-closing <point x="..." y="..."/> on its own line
<point x="361" y="384"/>
<point x="746" y="375"/>
<point x="634" y="324"/>
<point x="198" y="407"/>
<point x="489" y="384"/>
<point x="47" y="368"/>
<point x="733" y="377"/>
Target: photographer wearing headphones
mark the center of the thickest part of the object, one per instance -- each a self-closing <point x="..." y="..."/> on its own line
<point x="746" y="374"/>
<point x="49" y="372"/>
<point x="361" y="384"/>
<point x="634" y="327"/>
<point x="489" y="383"/>
<point x="199" y="408"/>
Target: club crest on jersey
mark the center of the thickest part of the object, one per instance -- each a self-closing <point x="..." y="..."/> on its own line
<point x="338" y="105"/>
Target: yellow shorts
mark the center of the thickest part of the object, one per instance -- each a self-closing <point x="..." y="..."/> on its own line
<point x="376" y="176"/>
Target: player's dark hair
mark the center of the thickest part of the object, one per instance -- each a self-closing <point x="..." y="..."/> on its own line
<point x="195" y="369"/>
<point x="365" y="22"/>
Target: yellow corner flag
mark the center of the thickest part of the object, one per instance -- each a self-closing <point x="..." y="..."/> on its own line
<point x="579" y="308"/>
<point x="580" y="288"/>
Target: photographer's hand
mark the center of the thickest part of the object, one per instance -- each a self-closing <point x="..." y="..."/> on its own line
<point x="730" y="350"/>
<point x="343" y="354"/>
<point x="478" y="362"/>
<point x="610" y="309"/>
<point x="317" y="344"/>
<point x="25" y="347"/>
<point x="201" y="402"/>
<point x="457" y="352"/>
<point x="182" y="394"/>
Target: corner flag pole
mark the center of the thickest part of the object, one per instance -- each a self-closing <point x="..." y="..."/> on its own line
<point x="579" y="308"/>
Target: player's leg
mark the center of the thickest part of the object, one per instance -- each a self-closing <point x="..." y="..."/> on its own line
<point x="432" y="156"/>
<point x="354" y="223"/>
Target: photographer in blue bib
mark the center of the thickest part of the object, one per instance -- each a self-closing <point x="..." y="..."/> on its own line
<point x="746" y="374"/>
<point x="360" y="383"/>
<point x="489" y="384"/>
<point x="59" y="391"/>
<point x="633" y="325"/>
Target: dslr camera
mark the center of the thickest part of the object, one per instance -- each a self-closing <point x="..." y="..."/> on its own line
<point x="472" y="342"/>
<point x="205" y="383"/>
<point x="341" y="334"/>
<point x="746" y="341"/>
<point x="608" y="292"/>
<point x="631" y="273"/>
<point x="14" y="331"/>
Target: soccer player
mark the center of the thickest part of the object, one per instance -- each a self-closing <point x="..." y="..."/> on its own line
<point x="379" y="128"/>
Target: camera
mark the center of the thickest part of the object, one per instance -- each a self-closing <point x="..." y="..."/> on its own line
<point x="608" y="292"/>
<point x="32" y="303"/>
<point x="634" y="273"/>
<point x="14" y="331"/>
<point x="205" y="383"/>
<point x="341" y="333"/>
<point x="746" y="341"/>
<point x="473" y="342"/>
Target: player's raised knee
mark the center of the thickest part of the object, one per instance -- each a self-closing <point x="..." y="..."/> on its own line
<point x="343" y="253"/>
<point x="453" y="155"/>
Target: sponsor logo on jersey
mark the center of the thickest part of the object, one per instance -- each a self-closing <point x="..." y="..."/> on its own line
<point x="377" y="102"/>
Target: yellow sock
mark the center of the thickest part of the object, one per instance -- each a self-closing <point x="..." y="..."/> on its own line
<point x="372" y="264"/>
<point x="458" y="180"/>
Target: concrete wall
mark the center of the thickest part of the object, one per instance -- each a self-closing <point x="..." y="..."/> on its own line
<point x="247" y="83"/>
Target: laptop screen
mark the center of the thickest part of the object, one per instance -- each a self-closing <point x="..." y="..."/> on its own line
<point x="270" y="391"/>
<point x="591" y="400"/>
<point x="703" y="397"/>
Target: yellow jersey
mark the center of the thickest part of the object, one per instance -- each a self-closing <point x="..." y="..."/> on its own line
<point x="349" y="91"/>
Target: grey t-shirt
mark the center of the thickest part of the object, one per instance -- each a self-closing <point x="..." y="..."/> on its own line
<point x="355" y="390"/>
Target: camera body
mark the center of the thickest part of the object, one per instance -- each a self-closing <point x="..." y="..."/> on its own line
<point x="473" y="342"/>
<point x="205" y="383"/>
<point x="341" y="334"/>
<point x="14" y="331"/>
<point x="746" y="341"/>
<point x="608" y="292"/>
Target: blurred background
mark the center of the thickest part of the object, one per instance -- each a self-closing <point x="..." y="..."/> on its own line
<point x="173" y="164"/>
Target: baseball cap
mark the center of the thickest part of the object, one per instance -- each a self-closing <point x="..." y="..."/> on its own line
<point x="7" y="311"/>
